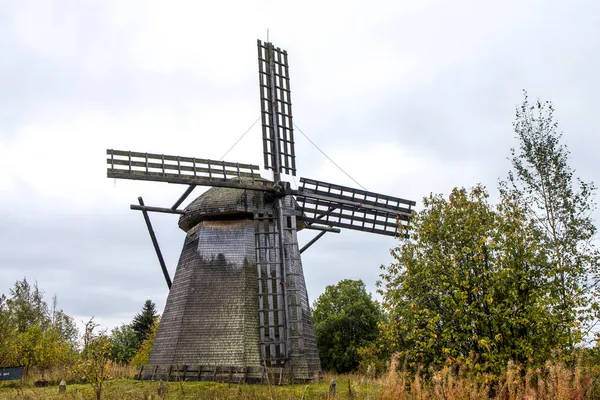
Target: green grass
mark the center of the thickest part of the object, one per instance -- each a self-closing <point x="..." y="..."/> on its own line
<point x="131" y="389"/>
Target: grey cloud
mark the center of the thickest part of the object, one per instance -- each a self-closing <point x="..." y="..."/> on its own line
<point x="457" y="110"/>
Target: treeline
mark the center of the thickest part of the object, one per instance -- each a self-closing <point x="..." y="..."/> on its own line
<point x="478" y="283"/>
<point x="41" y="337"/>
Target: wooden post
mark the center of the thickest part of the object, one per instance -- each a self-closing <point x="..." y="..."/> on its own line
<point x="139" y="377"/>
<point x="332" y="388"/>
<point x="199" y="372"/>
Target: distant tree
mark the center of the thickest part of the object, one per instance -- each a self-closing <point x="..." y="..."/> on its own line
<point x="124" y="344"/>
<point x="143" y="354"/>
<point x="27" y="306"/>
<point x="8" y="334"/>
<point x="345" y="318"/>
<point x="51" y="350"/>
<point x="30" y="334"/>
<point x="143" y="321"/>
<point x="64" y="325"/>
<point x="470" y="283"/>
<point x="560" y="206"/>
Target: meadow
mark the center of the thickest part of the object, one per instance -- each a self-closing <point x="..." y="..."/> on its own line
<point x="554" y="381"/>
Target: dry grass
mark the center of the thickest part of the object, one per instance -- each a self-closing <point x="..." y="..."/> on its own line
<point x="554" y="381"/>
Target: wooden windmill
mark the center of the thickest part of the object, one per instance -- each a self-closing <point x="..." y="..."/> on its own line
<point x="238" y="304"/>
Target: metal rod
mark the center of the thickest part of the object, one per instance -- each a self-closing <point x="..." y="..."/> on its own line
<point x="156" y="209"/>
<point x="185" y="194"/>
<point x="155" y="242"/>
<point x="312" y="241"/>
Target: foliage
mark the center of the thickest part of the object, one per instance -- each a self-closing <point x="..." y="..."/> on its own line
<point x="32" y="335"/>
<point x="143" y="321"/>
<point x="560" y="206"/>
<point x="93" y="365"/>
<point x="8" y="346"/>
<point x="52" y="350"/>
<point x="124" y="344"/>
<point x="64" y="325"/>
<point x="27" y="306"/>
<point x="345" y="319"/>
<point x="469" y="285"/>
<point x="143" y="354"/>
<point x="372" y="360"/>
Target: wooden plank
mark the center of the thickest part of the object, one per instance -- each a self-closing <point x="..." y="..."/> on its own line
<point x="259" y="244"/>
<point x="126" y="153"/>
<point x="347" y="200"/>
<point x="358" y="228"/>
<point x="312" y="185"/>
<point x="146" y="166"/>
<point x="189" y="180"/>
<point x="341" y="213"/>
<point x="279" y="295"/>
<point x="283" y="149"/>
<point x="270" y="256"/>
<point x="323" y="209"/>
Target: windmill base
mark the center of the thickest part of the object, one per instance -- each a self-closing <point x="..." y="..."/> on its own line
<point x="225" y="374"/>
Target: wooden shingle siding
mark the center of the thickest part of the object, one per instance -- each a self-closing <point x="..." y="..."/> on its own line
<point x="211" y="317"/>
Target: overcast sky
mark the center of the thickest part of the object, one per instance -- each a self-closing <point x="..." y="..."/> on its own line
<point x="409" y="97"/>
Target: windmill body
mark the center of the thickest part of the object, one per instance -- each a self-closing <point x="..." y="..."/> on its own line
<point x="238" y="307"/>
<point x="225" y="304"/>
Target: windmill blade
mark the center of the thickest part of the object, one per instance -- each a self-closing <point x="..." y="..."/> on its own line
<point x="276" y="109"/>
<point x="345" y="207"/>
<point x="183" y="170"/>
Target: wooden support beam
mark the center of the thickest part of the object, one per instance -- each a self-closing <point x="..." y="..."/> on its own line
<point x="314" y="227"/>
<point x="184" y="196"/>
<point x="312" y="241"/>
<point x="155" y="209"/>
<point x="155" y="243"/>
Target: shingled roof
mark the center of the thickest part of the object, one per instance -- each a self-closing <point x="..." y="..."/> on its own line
<point x="221" y="203"/>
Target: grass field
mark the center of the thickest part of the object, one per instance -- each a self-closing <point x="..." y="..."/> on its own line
<point x="131" y="389"/>
<point x="551" y="382"/>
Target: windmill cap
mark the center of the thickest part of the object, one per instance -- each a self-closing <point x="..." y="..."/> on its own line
<point x="220" y="203"/>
